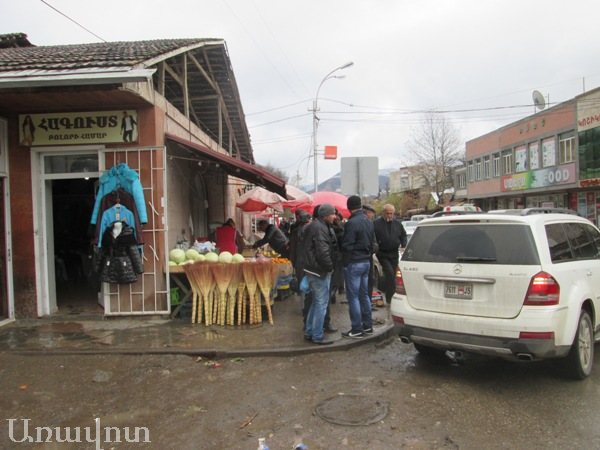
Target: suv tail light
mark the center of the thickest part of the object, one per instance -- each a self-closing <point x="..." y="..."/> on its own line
<point x="543" y="290"/>
<point x="400" y="288"/>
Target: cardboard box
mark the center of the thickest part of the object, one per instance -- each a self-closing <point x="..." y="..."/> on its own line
<point x="249" y="253"/>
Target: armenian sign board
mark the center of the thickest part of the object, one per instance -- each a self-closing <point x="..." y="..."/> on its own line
<point x="98" y="127"/>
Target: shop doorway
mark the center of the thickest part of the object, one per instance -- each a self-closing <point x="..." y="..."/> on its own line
<point x="63" y="192"/>
<point x="77" y="285"/>
<point x="5" y="298"/>
<point x="6" y="287"/>
<point x="65" y="185"/>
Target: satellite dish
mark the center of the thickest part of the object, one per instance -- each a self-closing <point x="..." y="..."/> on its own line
<point x="538" y="100"/>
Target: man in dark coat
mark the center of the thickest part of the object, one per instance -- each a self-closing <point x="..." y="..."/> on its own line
<point x="274" y="237"/>
<point x="357" y="249"/>
<point x="317" y="253"/>
<point x="390" y="235"/>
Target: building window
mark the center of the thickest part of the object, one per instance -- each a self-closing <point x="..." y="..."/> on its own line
<point x="507" y="162"/>
<point x="461" y="180"/>
<point x="497" y="171"/>
<point x="534" y="156"/>
<point x="487" y="167"/>
<point x="589" y="154"/>
<point x="521" y="159"/>
<point x="566" y="148"/>
<point x="471" y="172"/>
<point x="549" y="152"/>
<point x="478" y="169"/>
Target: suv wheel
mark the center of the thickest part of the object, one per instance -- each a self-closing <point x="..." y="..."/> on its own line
<point x="578" y="363"/>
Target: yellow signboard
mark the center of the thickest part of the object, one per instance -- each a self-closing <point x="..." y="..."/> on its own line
<point x="98" y="127"/>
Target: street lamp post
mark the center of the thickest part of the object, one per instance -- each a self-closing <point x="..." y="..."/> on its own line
<point x="316" y="119"/>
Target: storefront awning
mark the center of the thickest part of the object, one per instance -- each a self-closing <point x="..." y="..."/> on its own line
<point x="235" y="167"/>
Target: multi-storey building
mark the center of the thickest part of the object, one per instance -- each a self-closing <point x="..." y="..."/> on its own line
<point x="549" y="159"/>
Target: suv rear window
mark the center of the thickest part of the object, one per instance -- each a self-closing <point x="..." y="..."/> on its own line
<point x="477" y="244"/>
<point x="570" y="241"/>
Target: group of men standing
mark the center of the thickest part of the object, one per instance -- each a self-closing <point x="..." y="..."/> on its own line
<point x="315" y="252"/>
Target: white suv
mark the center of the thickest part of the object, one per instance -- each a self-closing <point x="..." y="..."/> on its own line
<point x="522" y="287"/>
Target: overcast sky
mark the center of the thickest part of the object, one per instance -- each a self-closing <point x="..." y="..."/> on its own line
<point x="477" y="60"/>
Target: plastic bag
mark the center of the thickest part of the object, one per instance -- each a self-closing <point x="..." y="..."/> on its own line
<point x="182" y="244"/>
<point x="304" y="286"/>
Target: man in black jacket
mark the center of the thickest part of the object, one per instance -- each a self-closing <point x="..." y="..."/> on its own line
<point x="317" y="253"/>
<point x="357" y="249"/>
<point x="390" y="236"/>
<point x="274" y="237"/>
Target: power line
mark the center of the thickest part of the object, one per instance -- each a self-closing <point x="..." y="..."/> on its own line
<point x="279" y="46"/>
<point x="261" y="50"/>
<point x="72" y="20"/>
<point x="277" y="108"/>
<point x="275" y="140"/>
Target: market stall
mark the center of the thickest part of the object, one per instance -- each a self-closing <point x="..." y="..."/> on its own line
<point x="224" y="293"/>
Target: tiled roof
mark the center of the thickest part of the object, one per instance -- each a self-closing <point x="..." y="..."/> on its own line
<point x="98" y="55"/>
<point x="204" y="57"/>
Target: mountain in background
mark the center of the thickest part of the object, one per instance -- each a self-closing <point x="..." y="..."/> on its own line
<point x="334" y="184"/>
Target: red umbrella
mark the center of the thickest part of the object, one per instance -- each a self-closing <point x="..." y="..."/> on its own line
<point x="296" y="197"/>
<point x="338" y="201"/>
<point x="258" y="199"/>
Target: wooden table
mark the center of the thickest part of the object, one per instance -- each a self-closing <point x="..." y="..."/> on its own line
<point x="178" y="275"/>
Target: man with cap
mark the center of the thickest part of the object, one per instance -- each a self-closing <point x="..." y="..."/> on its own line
<point x="317" y="252"/>
<point x="357" y="248"/>
<point x="390" y="235"/>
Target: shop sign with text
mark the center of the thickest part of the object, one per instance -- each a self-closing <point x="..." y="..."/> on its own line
<point x="550" y="176"/>
<point x="98" y="127"/>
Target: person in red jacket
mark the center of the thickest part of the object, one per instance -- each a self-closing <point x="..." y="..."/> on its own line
<point x="228" y="238"/>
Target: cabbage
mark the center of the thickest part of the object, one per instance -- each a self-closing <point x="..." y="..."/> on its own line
<point x="212" y="257"/>
<point x="177" y="255"/>
<point x="172" y="263"/>
<point x="225" y="257"/>
<point x="192" y="254"/>
<point x="237" y="258"/>
<point x="201" y="257"/>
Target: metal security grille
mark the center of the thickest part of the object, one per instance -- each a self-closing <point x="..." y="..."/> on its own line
<point x="150" y="294"/>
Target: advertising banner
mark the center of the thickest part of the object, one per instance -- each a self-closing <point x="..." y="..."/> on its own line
<point x="98" y="127"/>
<point x="553" y="176"/>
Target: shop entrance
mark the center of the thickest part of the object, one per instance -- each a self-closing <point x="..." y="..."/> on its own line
<point x="64" y="199"/>
<point x="69" y="181"/>
<point x="5" y="297"/>
<point x="6" y="288"/>
<point x="77" y="285"/>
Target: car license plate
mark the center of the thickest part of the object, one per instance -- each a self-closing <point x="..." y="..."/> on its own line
<point x="455" y="290"/>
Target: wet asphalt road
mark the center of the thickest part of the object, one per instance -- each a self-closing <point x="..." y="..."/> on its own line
<point x="376" y="396"/>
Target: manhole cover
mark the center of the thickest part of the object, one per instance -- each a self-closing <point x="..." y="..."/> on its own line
<point x="353" y="410"/>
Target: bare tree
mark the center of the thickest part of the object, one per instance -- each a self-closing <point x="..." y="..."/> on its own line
<point x="436" y="149"/>
<point x="275" y="171"/>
